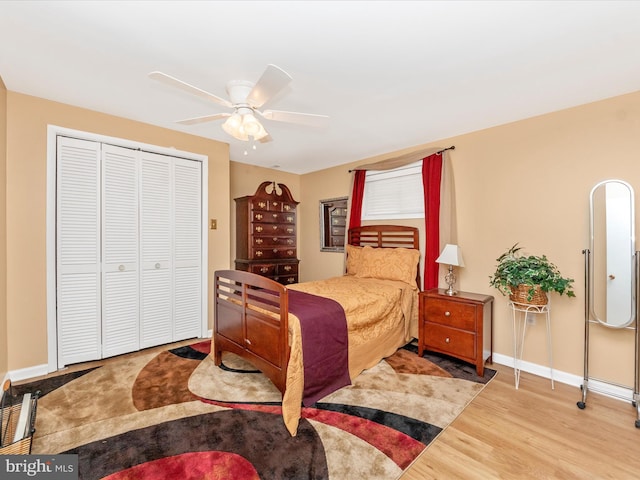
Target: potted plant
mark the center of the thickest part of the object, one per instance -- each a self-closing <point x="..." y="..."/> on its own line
<point x="527" y="278"/>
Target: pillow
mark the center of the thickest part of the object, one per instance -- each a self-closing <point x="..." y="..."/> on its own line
<point x="389" y="263"/>
<point x="353" y="259"/>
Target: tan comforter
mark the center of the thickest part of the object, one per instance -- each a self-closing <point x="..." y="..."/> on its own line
<point x="382" y="315"/>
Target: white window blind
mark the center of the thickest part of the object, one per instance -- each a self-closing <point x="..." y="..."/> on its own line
<point x="394" y="194"/>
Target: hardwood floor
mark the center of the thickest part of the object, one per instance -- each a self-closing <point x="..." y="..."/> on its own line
<point x="534" y="433"/>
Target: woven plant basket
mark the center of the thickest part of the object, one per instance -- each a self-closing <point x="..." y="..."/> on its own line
<point x="520" y="293"/>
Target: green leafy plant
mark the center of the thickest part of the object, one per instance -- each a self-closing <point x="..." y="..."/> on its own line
<point x="515" y="269"/>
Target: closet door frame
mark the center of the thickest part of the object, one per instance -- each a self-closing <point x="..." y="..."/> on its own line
<point x="53" y="132"/>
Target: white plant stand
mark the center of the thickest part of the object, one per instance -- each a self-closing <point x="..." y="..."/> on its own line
<point x="520" y="312"/>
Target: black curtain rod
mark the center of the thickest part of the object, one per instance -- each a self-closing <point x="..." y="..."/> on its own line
<point x="452" y="147"/>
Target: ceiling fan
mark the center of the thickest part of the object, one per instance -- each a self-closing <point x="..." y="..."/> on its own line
<point x="245" y="99"/>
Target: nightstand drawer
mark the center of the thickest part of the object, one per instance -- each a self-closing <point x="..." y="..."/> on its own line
<point x="452" y="314"/>
<point x="449" y="340"/>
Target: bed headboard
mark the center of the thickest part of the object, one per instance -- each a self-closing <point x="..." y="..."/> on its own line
<point x="388" y="236"/>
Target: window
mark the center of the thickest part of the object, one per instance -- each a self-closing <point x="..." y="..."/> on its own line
<point x="394" y="194"/>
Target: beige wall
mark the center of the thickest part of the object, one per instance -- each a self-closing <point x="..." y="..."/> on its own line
<point x="4" y="344"/>
<point x="26" y="180"/>
<point x="526" y="182"/>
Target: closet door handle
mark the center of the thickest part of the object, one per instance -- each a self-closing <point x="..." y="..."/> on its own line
<point x="121" y="268"/>
<point x="157" y="266"/>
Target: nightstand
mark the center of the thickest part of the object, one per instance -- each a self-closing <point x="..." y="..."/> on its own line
<point x="457" y="325"/>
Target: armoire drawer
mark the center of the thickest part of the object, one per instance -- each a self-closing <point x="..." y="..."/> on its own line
<point x="272" y="253"/>
<point x="272" y="229"/>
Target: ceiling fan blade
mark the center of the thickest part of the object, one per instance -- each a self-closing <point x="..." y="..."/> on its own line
<point x="309" y="119"/>
<point x="272" y="81"/>
<point x="206" y="118"/>
<point x="174" y="82"/>
<point x="266" y="139"/>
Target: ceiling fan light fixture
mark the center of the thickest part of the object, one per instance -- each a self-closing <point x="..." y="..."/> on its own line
<point x="242" y="125"/>
<point x="233" y="126"/>
<point x="251" y="125"/>
<point x="261" y="133"/>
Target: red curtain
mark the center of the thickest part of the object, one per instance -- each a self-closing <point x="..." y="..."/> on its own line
<point x="355" y="217"/>
<point x="431" y="176"/>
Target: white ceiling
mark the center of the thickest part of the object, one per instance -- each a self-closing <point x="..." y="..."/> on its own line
<point x="390" y="74"/>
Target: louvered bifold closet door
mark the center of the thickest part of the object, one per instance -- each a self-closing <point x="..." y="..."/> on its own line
<point x="78" y="251"/>
<point x="120" y="270"/>
<point x="188" y="249"/>
<point x="156" y="231"/>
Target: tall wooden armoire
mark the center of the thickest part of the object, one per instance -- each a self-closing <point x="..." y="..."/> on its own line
<point x="266" y="241"/>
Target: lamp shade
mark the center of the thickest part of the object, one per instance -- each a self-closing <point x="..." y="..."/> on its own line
<point x="451" y="255"/>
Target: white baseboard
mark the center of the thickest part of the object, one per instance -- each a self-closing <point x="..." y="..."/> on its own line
<point x="41" y="370"/>
<point x="618" y="392"/>
<point x="29" y="372"/>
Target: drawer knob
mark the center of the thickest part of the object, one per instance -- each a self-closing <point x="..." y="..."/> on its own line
<point x="447" y="314"/>
<point x="248" y="342"/>
<point x="447" y="340"/>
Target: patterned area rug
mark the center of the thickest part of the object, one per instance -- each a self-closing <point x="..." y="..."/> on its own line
<point x="176" y="415"/>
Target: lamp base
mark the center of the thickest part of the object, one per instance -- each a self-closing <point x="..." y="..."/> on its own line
<point x="450" y="278"/>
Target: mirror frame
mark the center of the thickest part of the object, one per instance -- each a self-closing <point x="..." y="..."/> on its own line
<point x="327" y="233"/>
<point x="595" y="256"/>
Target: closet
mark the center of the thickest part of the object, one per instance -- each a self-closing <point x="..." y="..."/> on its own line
<point x="128" y="249"/>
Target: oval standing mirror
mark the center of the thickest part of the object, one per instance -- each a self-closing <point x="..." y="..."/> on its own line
<point x="612" y="279"/>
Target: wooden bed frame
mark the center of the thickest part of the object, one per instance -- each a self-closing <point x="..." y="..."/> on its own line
<point x="251" y="311"/>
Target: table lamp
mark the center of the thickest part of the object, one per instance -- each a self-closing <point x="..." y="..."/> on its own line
<point x="451" y="255"/>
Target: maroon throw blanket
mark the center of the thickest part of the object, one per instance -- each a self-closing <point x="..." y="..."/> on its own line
<point x="324" y="344"/>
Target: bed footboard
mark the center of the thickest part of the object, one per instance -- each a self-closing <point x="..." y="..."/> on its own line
<point x="251" y="321"/>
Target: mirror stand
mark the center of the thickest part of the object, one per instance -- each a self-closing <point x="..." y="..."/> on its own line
<point x="612" y="273"/>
